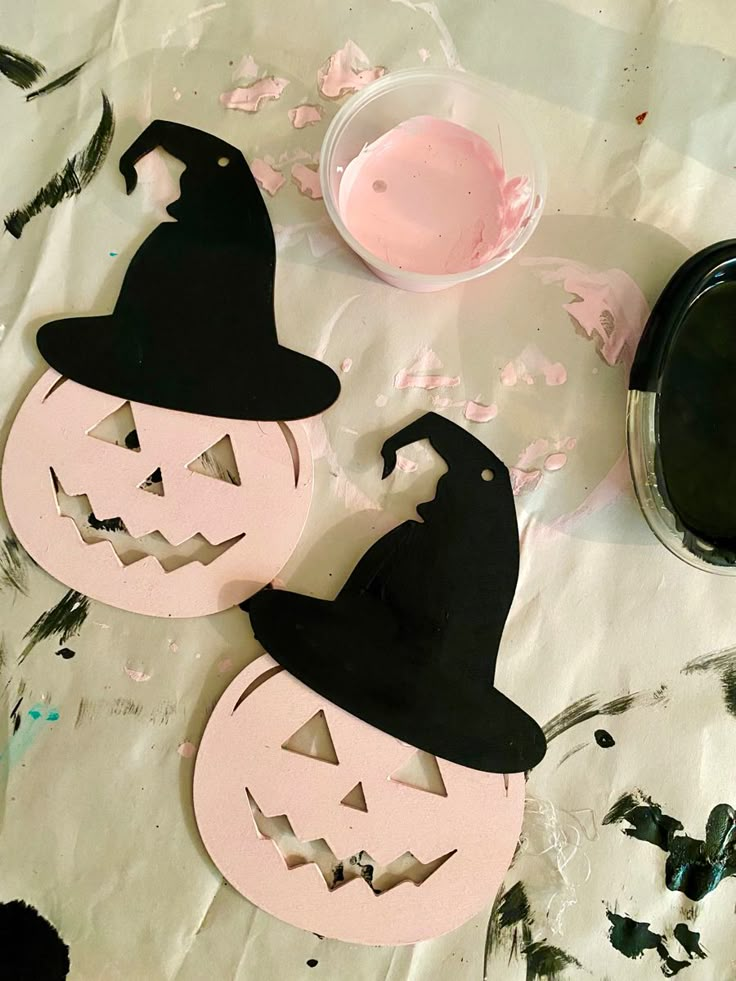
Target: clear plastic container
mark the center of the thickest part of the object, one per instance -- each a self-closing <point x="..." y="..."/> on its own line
<point x="456" y="96"/>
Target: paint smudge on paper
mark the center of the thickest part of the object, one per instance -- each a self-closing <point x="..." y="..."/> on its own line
<point x="224" y="665"/>
<point x="57" y="83"/>
<point x="424" y="54"/>
<point x="641" y="117"/>
<point x="65" y="619"/>
<point x="689" y="940"/>
<point x="530" y="365"/>
<point x="381" y="401"/>
<point x="203" y="11"/>
<point x="449" y="49"/>
<point x="248" y="98"/>
<point x="72" y="178"/>
<point x="19" y="69"/>
<point x="186" y="750"/>
<point x="13" y="571"/>
<point x="478" y="412"/>
<point x="136" y="675"/>
<point x="347" y="70"/>
<point x="246" y="68"/>
<point x="540" y="456"/>
<point x="306" y="178"/>
<point x="405" y="464"/>
<point x="632" y="938"/>
<point x="306" y="115"/>
<point x="91" y="709"/>
<point x="343" y="488"/>
<point x="26" y="728"/>
<point x="321" y="236"/>
<point x="608" y="306"/>
<point x="267" y="177"/>
<point x="66" y="653"/>
<point x="347" y="364"/>
<point x="31" y="946"/>
<point x="423" y="373"/>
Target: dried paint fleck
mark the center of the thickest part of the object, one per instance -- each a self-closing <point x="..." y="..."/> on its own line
<point x="346" y="365"/>
<point x="641" y="117"/>
<point x="248" y="98"/>
<point x="224" y="665"/>
<point x="478" y="412"/>
<point x="424" y="54"/>
<point x="405" y="464"/>
<point x="267" y="177"/>
<point x="347" y="70"/>
<point x="136" y="675"/>
<point x="306" y="115"/>
<point x="186" y="750"/>
<point x="306" y="178"/>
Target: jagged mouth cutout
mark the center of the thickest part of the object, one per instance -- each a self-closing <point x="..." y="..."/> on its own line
<point x="216" y="461"/>
<point x="314" y="740"/>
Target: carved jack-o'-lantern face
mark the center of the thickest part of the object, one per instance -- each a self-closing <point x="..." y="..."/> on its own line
<point x="349" y="840"/>
<point x="149" y="517"/>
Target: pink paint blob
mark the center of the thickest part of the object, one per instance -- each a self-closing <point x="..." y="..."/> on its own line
<point x="530" y="365"/>
<point x="224" y="665"/>
<point x="431" y="196"/>
<point x="186" y="750"/>
<point x="136" y="675"/>
<point x="248" y="98"/>
<point x="405" y="464"/>
<point x="555" y="461"/>
<point x="347" y="70"/>
<point x="477" y="412"/>
<point x="346" y="365"/>
<point x="404" y="379"/>
<point x="307" y="180"/>
<point x="301" y="116"/>
<point x="269" y="179"/>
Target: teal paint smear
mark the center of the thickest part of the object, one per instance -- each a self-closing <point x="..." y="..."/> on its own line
<point x="33" y="724"/>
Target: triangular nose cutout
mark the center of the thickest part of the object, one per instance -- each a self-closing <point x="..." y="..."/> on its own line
<point x="421" y="771"/>
<point x="355" y="798"/>
<point x="153" y="484"/>
<point x="313" y="739"/>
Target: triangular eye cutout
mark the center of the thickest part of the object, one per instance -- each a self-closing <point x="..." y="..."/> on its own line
<point x="355" y="798"/>
<point x="218" y="461"/>
<point x="422" y="772"/>
<point x="313" y="739"/>
<point x="117" y="427"/>
<point x="153" y="484"/>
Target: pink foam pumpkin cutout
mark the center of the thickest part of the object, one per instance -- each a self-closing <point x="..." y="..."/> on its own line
<point x="408" y="863"/>
<point x="249" y="523"/>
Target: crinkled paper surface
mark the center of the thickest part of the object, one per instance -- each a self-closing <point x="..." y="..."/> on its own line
<point x="96" y="824"/>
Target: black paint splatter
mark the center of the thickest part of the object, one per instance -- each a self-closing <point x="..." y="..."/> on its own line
<point x="728" y="682"/>
<point x="632" y="938"/>
<point x="689" y="940"/>
<point x="65" y="619"/>
<point x="132" y="441"/>
<point x="66" y="653"/>
<point x="20" y="69"/>
<point x="13" y="571"/>
<point x="647" y="820"/>
<point x="513" y="907"/>
<point x="693" y="867"/>
<point x="589" y="707"/>
<point x="74" y="176"/>
<point x="57" y="83"/>
<point x="15" y="715"/>
<point x="604" y="739"/>
<point x="31" y="948"/>
<point x="545" y="961"/>
<point x="312" y="962"/>
<point x="105" y="524"/>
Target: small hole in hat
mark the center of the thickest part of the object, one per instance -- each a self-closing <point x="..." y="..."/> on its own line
<point x="487" y="474"/>
<point x="223" y="161"/>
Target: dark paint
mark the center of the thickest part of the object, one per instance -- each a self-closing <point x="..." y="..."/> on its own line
<point x="545" y="962"/>
<point x="632" y="938"/>
<point x="689" y="940"/>
<point x="312" y="962"/>
<point x="12" y="565"/>
<point x="65" y="619"/>
<point x="105" y="524"/>
<point x="30" y="947"/>
<point x="72" y="178"/>
<point x="57" y="83"/>
<point x="693" y="867"/>
<point x="728" y="684"/>
<point x="208" y="280"/>
<point x="604" y="739"/>
<point x="66" y="652"/>
<point x="411" y="642"/>
<point x="20" y="69"/>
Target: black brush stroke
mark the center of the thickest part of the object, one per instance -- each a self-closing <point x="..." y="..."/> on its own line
<point x="75" y="175"/>
<point x="13" y="572"/>
<point x="65" y="619"/>
<point x="57" y="83"/>
<point x="19" y="69"/>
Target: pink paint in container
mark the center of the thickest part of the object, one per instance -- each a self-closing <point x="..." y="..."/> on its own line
<point x="431" y="179"/>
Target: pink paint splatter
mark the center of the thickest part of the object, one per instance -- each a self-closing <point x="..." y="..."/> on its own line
<point x="346" y="365"/>
<point x="248" y="98"/>
<point x="555" y="461"/>
<point x="307" y="180"/>
<point x="522" y="480"/>
<point x="477" y="412"/>
<point x="269" y="179"/>
<point x="136" y="675"/>
<point x="246" y="68"/>
<point x="224" y="665"/>
<point x="307" y="115"/>
<point x="347" y="70"/>
<point x="405" y="464"/>
<point x="539" y="456"/>
<point x="441" y="402"/>
<point x="609" y="306"/>
<point x="424" y="54"/>
<point x="186" y="750"/>
<point x="530" y="365"/>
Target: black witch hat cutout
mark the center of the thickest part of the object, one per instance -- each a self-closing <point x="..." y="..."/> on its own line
<point x="193" y="327"/>
<point x="410" y="644"/>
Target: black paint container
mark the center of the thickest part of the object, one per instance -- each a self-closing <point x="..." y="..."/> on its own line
<point x="681" y="414"/>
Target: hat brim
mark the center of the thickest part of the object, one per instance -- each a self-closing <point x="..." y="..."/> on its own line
<point x="276" y="386"/>
<point x="352" y="652"/>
